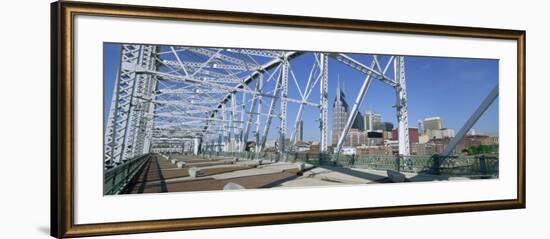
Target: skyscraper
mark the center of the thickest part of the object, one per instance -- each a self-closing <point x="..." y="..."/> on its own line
<point x="356" y="135"/>
<point x="387" y="126"/>
<point x="339" y="114"/>
<point x="358" y="123"/>
<point x="373" y="121"/>
<point x="300" y="131"/>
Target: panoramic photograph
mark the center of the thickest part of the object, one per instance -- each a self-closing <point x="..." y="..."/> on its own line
<point x="200" y="118"/>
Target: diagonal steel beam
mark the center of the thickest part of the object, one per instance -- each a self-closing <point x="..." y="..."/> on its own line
<point x="354" y="64"/>
<point x="354" y="110"/>
<point x="471" y="121"/>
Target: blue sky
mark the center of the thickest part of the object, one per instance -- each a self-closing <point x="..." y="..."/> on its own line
<point x="451" y="88"/>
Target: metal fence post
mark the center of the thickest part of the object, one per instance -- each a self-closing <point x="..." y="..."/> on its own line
<point x="436" y="164"/>
<point x="483" y="164"/>
<point x="398" y="163"/>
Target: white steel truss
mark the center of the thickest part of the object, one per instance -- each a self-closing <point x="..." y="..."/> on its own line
<point x="128" y="132"/>
<point x="219" y="98"/>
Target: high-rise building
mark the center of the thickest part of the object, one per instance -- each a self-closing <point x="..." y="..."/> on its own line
<point x="432" y="123"/>
<point x="339" y="114"/>
<point x="373" y="121"/>
<point x="421" y="127"/>
<point x="367" y="120"/>
<point x="387" y="126"/>
<point x="300" y="131"/>
<point x="356" y="135"/>
<point x="358" y="123"/>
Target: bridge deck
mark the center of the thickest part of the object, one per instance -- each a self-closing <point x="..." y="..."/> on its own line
<point x="160" y="175"/>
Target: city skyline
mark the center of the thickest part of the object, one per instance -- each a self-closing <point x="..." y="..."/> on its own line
<point x="435" y="85"/>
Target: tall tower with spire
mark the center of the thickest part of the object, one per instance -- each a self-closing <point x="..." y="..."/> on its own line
<point x="339" y="113"/>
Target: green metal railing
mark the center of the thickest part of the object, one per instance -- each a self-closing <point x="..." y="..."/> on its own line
<point x="453" y="165"/>
<point x="466" y="165"/>
<point x="115" y="179"/>
<point x="480" y="165"/>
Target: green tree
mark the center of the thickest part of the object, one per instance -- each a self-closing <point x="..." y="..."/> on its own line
<point x="481" y="149"/>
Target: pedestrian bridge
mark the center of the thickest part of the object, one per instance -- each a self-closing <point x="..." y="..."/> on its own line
<point x="212" y="102"/>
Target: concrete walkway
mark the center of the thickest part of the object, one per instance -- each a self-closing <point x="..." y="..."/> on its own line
<point x="162" y="174"/>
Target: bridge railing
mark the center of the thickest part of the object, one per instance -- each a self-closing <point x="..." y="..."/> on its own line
<point x="483" y="165"/>
<point x="115" y="179"/>
<point x="242" y="155"/>
<point x="479" y="165"/>
<point x="270" y="156"/>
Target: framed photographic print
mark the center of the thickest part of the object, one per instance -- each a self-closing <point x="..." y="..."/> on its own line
<point x="170" y="119"/>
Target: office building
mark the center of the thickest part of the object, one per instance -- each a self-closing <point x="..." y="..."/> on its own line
<point x="339" y="114"/>
<point x="373" y="121"/>
<point x="432" y="123"/>
<point x="359" y="122"/>
<point x="387" y="126"/>
<point x="300" y="131"/>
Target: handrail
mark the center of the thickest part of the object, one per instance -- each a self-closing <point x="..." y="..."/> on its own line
<point x="478" y="165"/>
<point x="116" y="179"/>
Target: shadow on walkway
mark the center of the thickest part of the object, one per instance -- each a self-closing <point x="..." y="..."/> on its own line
<point x="150" y="172"/>
<point x="424" y="177"/>
<point x="162" y="181"/>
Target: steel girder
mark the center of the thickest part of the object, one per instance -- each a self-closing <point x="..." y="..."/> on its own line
<point x="323" y="121"/>
<point x="284" y="104"/>
<point x="401" y="106"/>
<point x="398" y="84"/>
<point x="189" y="94"/>
<point x="127" y="133"/>
<point x="355" y="109"/>
<point x="192" y="87"/>
<point x="489" y="99"/>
